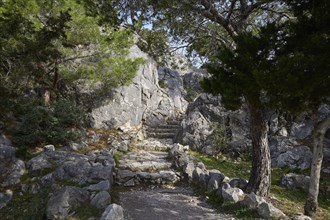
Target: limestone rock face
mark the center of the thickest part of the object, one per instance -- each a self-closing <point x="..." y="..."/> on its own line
<point x="287" y="142"/>
<point x="196" y="127"/>
<point x="143" y="100"/>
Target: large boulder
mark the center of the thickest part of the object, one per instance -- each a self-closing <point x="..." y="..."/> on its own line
<point x="178" y="155"/>
<point x="5" y="198"/>
<point x="302" y="130"/>
<point x="200" y="176"/>
<point x="252" y="200"/>
<point x="268" y="211"/>
<point x="11" y="168"/>
<point x="296" y="157"/>
<point x="113" y="212"/>
<point x="65" y="201"/>
<point x="238" y="183"/>
<point x="215" y="181"/>
<point x="295" y="181"/>
<point x="231" y="194"/>
<point x="101" y="200"/>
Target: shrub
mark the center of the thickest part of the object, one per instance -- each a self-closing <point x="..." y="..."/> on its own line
<point x="41" y="125"/>
<point x="220" y="137"/>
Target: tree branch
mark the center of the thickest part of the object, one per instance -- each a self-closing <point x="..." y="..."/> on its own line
<point x="231" y="10"/>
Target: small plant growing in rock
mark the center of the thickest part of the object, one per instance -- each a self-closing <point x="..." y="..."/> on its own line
<point x="161" y="83"/>
<point x="220" y="137"/>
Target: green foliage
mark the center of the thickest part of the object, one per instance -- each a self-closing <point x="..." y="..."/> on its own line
<point x="161" y="83"/>
<point x="299" y="79"/>
<point x="154" y="43"/>
<point x="191" y="94"/>
<point x="44" y="42"/>
<point x="220" y="138"/>
<point x="47" y="125"/>
<point x="86" y="211"/>
<point x="240" y="72"/>
<point x="27" y="206"/>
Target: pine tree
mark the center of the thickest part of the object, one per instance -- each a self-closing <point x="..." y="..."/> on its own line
<point x="284" y="67"/>
<point x="299" y="79"/>
<point x="45" y="42"/>
<point x="236" y="75"/>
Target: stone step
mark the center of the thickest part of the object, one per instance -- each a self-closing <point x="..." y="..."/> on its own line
<point x="173" y="122"/>
<point x="133" y="178"/>
<point x="167" y="126"/>
<point x="154" y="145"/>
<point x="145" y="161"/>
<point x="161" y="135"/>
<point x="161" y="130"/>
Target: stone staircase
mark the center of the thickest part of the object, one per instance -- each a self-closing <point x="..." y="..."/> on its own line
<point x="165" y="131"/>
<point x="147" y="160"/>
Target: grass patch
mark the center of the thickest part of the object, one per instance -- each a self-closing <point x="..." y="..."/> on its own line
<point x="290" y="201"/>
<point x="116" y="156"/>
<point x="229" y="167"/>
<point x="102" y="143"/>
<point x="27" y="206"/>
<point x="86" y="211"/>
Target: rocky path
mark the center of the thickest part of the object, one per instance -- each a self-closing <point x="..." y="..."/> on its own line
<point x="145" y="173"/>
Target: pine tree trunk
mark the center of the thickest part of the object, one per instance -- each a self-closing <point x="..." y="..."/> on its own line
<point x="313" y="191"/>
<point x="259" y="181"/>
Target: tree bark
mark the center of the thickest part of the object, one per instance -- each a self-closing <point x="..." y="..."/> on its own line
<point x="318" y="140"/>
<point x="259" y="181"/>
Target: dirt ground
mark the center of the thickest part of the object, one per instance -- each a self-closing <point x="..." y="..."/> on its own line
<point x="174" y="203"/>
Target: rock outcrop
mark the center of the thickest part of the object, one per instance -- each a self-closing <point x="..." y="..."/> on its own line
<point x="71" y="166"/>
<point x="287" y="142"/>
<point x="144" y="100"/>
<point x="196" y="127"/>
